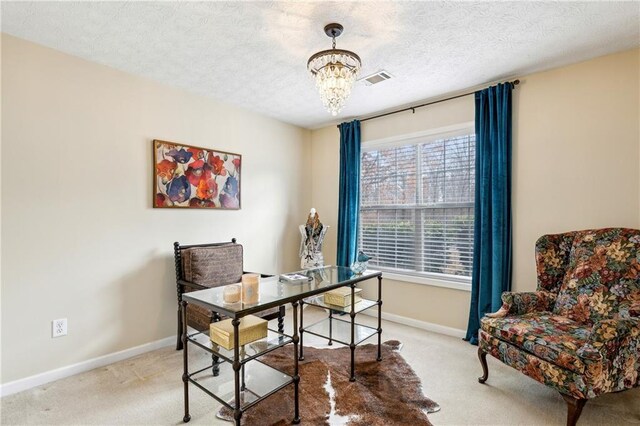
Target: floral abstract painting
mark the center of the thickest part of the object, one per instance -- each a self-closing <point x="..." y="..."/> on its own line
<point x="194" y="177"/>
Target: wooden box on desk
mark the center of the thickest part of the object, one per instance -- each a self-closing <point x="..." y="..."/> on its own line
<point x="341" y="296"/>
<point x="251" y="329"/>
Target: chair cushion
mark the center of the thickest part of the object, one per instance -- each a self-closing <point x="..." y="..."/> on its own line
<point x="603" y="276"/>
<point x="551" y="337"/>
<point x="213" y="266"/>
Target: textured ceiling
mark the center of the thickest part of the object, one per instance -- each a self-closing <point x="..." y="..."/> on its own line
<point x="254" y="54"/>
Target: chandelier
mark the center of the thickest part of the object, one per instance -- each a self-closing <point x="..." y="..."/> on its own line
<point x="335" y="71"/>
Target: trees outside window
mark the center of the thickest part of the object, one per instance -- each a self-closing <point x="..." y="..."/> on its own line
<point x="416" y="206"/>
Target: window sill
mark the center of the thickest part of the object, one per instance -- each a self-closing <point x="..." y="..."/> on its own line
<point x="456" y="285"/>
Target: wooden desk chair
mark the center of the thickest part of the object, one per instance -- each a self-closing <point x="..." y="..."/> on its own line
<point x="201" y="266"/>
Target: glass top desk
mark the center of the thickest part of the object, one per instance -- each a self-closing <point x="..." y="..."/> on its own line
<point x="261" y="379"/>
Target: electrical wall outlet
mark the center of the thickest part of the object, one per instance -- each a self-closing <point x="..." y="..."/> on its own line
<point x="59" y="327"/>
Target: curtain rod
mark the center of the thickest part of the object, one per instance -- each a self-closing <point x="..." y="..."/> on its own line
<point x="413" y="108"/>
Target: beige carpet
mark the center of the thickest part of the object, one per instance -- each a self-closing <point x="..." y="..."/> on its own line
<point x="147" y="390"/>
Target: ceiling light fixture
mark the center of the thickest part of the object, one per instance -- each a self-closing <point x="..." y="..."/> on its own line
<point x="335" y="71"/>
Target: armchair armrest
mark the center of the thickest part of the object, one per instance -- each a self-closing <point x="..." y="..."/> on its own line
<point x="607" y="336"/>
<point x="192" y="285"/>
<point x="524" y="302"/>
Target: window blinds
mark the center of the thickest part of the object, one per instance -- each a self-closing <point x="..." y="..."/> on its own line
<point x="416" y="208"/>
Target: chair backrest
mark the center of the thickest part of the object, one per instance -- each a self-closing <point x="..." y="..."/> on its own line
<point x="210" y="265"/>
<point x="595" y="272"/>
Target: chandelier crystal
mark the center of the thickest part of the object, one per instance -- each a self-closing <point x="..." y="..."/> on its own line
<point x="334" y="71"/>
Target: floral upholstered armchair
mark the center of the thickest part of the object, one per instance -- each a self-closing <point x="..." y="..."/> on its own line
<point x="580" y="332"/>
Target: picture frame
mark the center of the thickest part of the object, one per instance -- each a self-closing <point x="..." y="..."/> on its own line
<point x="187" y="176"/>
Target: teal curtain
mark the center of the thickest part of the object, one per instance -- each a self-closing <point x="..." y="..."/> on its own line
<point x="492" y="228"/>
<point x="349" y="193"/>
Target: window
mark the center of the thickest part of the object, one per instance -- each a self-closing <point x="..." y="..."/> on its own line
<point x="416" y="206"/>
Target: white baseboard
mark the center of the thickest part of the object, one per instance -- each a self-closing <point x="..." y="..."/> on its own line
<point x="70" y="370"/>
<point x="423" y="325"/>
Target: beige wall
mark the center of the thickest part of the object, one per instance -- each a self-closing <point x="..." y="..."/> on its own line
<point x="576" y="147"/>
<point x="84" y="242"/>
<point x="575" y="165"/>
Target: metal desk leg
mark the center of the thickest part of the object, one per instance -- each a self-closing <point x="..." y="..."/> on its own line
<point x="301" y="330"/>
<point x="243" y="354"/>
<point x="352" y="345"/>
<point x="185" y="359"/>
<point x="330" y="327"/>
<point x="237" y="413"/>
<point x="296" y="377"/>
<point x="379" y="318"/>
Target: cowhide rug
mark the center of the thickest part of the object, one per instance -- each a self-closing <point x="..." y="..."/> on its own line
<point x="384" y="393"/>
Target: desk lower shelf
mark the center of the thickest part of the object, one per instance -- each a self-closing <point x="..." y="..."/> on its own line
<point x="339" y="331"/>
<point x="260" y="381"/>
<point x="360" y="306"/>
<point x="251" y="351"/>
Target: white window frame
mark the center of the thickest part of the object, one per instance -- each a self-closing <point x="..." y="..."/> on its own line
<point x="431" y="279"/>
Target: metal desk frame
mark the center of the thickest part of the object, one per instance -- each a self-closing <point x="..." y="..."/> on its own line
<point x="238" y="363"/>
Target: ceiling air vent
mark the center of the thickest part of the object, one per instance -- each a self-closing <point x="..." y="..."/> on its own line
<point x="376" y="78"/>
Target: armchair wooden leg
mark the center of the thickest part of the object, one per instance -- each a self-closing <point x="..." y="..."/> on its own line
<point x="281" y="313"/>
<point x="574" y="408"/>
<point x="179" y="342"/>
<point x="482" y="355"/>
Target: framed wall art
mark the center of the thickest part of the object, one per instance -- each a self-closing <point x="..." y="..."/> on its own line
<point x="193" y="177"/>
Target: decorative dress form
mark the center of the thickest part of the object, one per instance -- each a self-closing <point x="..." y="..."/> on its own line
<point x="312" y="234"/>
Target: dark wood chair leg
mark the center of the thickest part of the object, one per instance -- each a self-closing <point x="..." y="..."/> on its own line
<point x="215" y="360"/>
<point x="574" y="408"/>
<point x="482" y="355"/>
<point x="215" y="365"/>
<point x="179" y="342"/>
<point x="281" y="314"/>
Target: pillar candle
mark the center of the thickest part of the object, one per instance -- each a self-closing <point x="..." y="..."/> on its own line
<point x="250" y="288"/>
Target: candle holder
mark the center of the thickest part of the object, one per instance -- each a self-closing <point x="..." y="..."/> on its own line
<point x="232" y="293"/>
